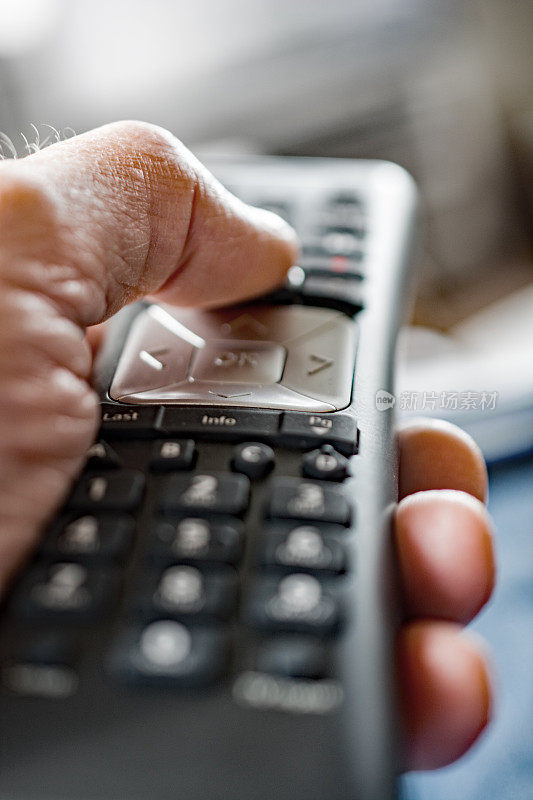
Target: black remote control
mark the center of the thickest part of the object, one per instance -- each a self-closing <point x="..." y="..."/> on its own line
<point x="212" y="614"/>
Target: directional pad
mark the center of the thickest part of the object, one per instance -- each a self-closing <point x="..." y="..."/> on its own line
<point x="286" y="357"/>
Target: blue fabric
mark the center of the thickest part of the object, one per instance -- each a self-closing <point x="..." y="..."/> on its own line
<point x="500" y="766"/>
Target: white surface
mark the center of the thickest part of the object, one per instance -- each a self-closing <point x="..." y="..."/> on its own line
<point x="492" y="352"/>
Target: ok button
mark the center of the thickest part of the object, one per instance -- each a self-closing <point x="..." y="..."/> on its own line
<point x="231" y="361"/>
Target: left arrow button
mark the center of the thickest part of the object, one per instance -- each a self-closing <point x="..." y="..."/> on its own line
<point x="153" y="359"/>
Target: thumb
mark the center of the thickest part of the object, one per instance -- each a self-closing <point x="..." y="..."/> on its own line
<point x="131" y="211"/>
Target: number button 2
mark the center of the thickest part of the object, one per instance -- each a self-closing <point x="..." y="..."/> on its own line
<point x="218" y="493"/>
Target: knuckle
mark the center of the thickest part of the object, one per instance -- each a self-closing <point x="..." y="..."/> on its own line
<point x="138" y="132"/>
<point x="150" y="144"/>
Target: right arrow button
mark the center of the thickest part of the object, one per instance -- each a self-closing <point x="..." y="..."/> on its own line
<point x="318" y="363"/>
<point x="321" y="364"/>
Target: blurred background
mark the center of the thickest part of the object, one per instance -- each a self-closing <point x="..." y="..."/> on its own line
<point x="443" y="87"/>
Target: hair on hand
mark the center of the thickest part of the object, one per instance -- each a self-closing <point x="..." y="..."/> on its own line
<point x="35" y="142"/>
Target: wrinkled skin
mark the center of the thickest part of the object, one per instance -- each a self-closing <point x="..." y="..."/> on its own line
<point x="93" y="223"/>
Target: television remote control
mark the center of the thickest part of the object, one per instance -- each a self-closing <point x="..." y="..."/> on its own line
<point x="211" y="616"/>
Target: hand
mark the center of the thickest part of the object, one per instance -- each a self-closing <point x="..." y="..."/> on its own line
<point x="446" y="561"/>
<point x="96" y="222"/>
<point x="87" y="226"/>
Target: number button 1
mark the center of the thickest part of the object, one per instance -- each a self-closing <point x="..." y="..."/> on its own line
<point x="108" y="491"/>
